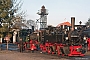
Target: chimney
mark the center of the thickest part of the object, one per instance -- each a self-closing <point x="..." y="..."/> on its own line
<point x="72" y="23"/>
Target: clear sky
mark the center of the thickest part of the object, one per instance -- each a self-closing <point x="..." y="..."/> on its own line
<point x="58" y="10"/>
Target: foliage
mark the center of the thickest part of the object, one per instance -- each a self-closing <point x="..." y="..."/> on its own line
<point x="8" y="11"/>
<point x="1" y="35"/>
<point x="88" y="22"/>
<point x="9" y="35"/>
<point x="17" y="23"/>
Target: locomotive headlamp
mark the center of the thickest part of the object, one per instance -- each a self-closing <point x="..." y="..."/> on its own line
<point x="66" y="38"/>
<point x="75" y="27"/>
<point x="84" y="38"/>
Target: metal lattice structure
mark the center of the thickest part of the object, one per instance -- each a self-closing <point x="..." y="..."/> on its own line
<point x="43" y="17"/>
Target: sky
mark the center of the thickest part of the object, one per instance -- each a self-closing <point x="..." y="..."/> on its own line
<point x="59" y="10"/>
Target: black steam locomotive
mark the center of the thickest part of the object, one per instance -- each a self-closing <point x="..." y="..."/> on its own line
<point x="63" y="41"/>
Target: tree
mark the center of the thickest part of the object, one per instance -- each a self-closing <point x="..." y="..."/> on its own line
<point x="8" y="11"/>
<point x="88" y="22"/>
<point x="17" y="23"/>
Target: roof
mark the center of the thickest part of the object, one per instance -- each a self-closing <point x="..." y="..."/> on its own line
<point x="64" y="23"/>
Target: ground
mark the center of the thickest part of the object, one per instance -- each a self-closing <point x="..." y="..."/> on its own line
<point x="15" y="55"/>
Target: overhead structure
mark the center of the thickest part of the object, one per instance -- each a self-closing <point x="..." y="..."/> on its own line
<point x="43" y="17"/>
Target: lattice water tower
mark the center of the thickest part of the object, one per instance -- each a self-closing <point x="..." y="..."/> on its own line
<point x="43" y="17"/>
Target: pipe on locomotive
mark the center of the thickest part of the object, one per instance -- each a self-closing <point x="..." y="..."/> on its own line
<point x="72" y="23"/>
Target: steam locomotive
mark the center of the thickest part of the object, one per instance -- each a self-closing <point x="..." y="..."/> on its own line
<point x="64" y="41"/>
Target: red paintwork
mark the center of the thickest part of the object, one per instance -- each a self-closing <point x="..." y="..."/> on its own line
<point x="74" y="52"/>
<point x="48" y="45"/>
<point x="45" y="48"/>
<point x="88" y="41"/>
<point x="42" y="48"/>
<point x="73" y="49"/>
<point x="32" y="45"/>
<point x="58" y="46"/>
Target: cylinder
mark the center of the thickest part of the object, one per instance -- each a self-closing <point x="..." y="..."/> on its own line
<point x="72" y="23"/>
